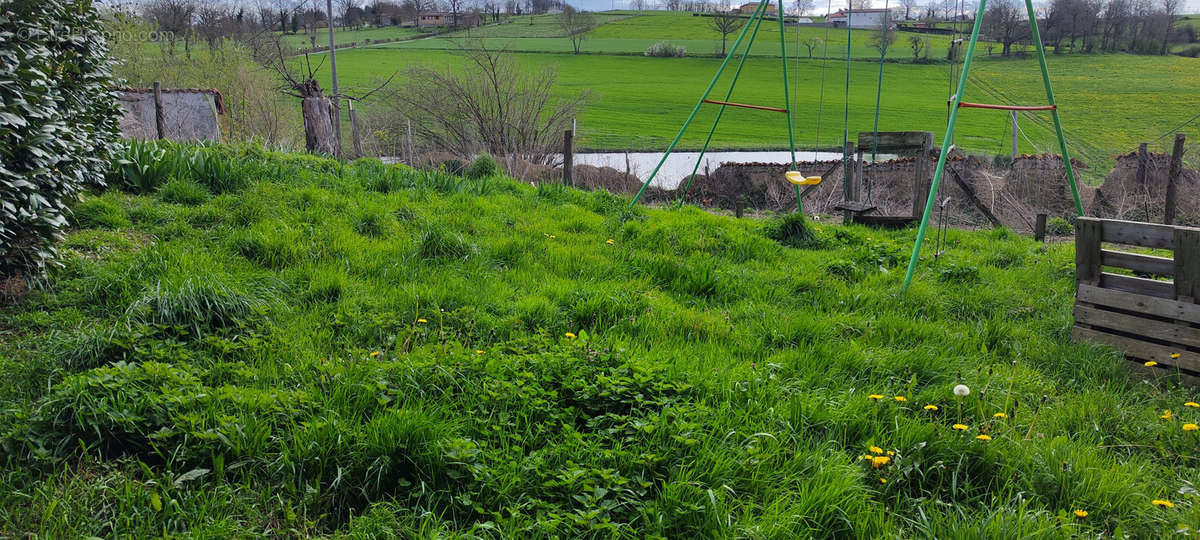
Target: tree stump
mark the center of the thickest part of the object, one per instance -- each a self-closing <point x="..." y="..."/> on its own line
<point x="318" y="125"/>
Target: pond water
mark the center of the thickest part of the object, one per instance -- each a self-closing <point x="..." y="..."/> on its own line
<point x="679" y="165"/>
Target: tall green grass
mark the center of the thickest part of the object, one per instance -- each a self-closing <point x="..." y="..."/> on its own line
<point x="360" y="350"/>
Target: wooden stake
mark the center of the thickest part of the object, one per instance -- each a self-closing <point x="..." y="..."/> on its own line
<point x="1039" y="230"/>
<point x="358" y="150"/>
<point x="1141" y="164"/>
<point x="919" y="190"/>
<point x="568" y="158"/>
<point x="1173" y="179"/>
<point x="160" y="123"/>
<point x="1014" y="134"/>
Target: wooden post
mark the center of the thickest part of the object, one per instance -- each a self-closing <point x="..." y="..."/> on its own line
<point x="739" y="205"/>
<point x="858" y="171"/>
<point x="1141" y="164"/>
<point x="1187" y="264"/>
<point x="358" y="150"/>
<point x="410" y="146"/>
<point x="336" y="97"/>
<point x="1173" y="179"/>
<point x="160" y="123"/>
<point x="1014" y="134"/>
<point x="919" y="190"/>
<point x="1039" y="229"/>
<point x="1087" y="250"/>
<point x="568" y="157"/>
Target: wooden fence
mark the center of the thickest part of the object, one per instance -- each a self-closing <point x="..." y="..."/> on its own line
<point x="1143" y="315"/>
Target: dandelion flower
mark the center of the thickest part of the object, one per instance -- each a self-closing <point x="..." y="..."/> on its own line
<point x="1190" y="427"/>
<point x="891" y="453"/>
<point x="422" y="321"/>
<point x="931" y="407"/>
<point x="901" y="399"/>
<point x="879" y="461"/>
<point x="1191" y="404"/>
<point x="1151" y="363"/>
<point x="1166" y="415"/>
<point x="1174" y="356"/>
<point x="876" y="396"/>
<point x="478" y="351"/>
<point x="883" y="480"/>
<point x="570" y="335"/>
<point x="962" y="390"/>
<point x="610" y="241"/>
<point x="1163" y="503"/>
<point x="875" y="450"/>
<point x="374" y="354"/>
<point x="1081" y="514"/>
<point x="984" y="438"/>
<point x="999" y="415"/>
<point x="960" y="427"/>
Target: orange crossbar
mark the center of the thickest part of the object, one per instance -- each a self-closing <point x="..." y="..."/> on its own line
<point x="966" y="105"/>
<point x="744" y="106"/>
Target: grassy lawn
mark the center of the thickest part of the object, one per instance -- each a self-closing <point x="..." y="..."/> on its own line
<point x="621" y="33"/>
<point x="298" y="347"/>
<point x="344" y="37"/>
<point x="639" y="103"/>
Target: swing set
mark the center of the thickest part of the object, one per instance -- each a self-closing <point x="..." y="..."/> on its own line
<point x="798" y="179"/>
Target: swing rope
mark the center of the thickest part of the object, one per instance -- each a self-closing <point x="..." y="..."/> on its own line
<point x="883" y="46"/>
<point x="846" y="113"/>
<point x="824" y="64"/>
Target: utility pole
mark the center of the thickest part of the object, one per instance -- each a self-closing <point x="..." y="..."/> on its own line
<point x="337" y="109"/>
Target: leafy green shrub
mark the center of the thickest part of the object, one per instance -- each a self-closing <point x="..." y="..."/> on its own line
<point x="216" y="171"/>
<point x="58" y="123"/>
<point x="142" y="166"/>
<point x="99" y="213"/>
<point x="484" y="166"/>
<point x="664" y="49"/>
<point x="183" y="191"/>
<point x="792" y="230"/>
<point x="1059" y="227"/>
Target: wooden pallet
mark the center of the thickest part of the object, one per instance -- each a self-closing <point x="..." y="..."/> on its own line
<point x="1144" y="315"/>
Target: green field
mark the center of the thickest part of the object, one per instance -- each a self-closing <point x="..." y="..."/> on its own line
<point x="346" y="37"/>
<point x="290" y="346"/>
<point x="1109" y="103"/>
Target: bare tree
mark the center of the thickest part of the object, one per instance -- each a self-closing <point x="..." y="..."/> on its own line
<point x="212" y="24"/>
<point x="908" y="6"/>
<point x="172" y="16"/>
<point x="917" y="45"/>
<point x="575" y="25"/>
<point x="725" y="23"/>
<point x="811" y="44"/>
<point x="804" y="6"/>
<point x="882" y="37"/>
<point x="1005" y="24"/>
<point x="1170" y="8"/>
<point x="860" y="4"/>
<point x="489" y="105"/>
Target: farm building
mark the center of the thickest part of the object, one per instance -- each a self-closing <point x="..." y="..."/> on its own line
<point x="748" y="8"/>
<point x="858" y="18"/>
<point x="434" y="19"/>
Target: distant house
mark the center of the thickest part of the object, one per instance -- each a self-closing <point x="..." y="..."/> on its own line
<point x="858" y="18"/>
<point x="434" y="19"/>
<point x="748" y="9"/>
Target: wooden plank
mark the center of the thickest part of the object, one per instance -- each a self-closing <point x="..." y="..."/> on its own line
<point x="892" y="141"/>
<point x="1149" y="287"/>
<point x="1136" y="233"/>
<point x="1132" y="324"/>
<point x="1137" y="262"/>
<point x="974" y="199"/>
<point x="1039" y="228"/>
<point x="1187" y="264"/>
<point x="920" y="184"/>
<point x="1141" y="350"/>
<point x="1159" y="307"/>
<point x="1087" y="250"/>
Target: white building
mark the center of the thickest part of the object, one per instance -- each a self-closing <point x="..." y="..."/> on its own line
<point x="858" y="18"/>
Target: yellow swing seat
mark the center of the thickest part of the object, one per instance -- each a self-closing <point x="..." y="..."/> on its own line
<point x="798" y="178"/>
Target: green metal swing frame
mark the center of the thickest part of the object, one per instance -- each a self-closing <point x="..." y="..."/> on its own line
<point x="957" y="103"/>
<point x="755" y="21"/>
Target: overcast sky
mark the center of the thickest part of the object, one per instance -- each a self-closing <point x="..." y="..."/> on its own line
<point x="1190" y="6"/>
